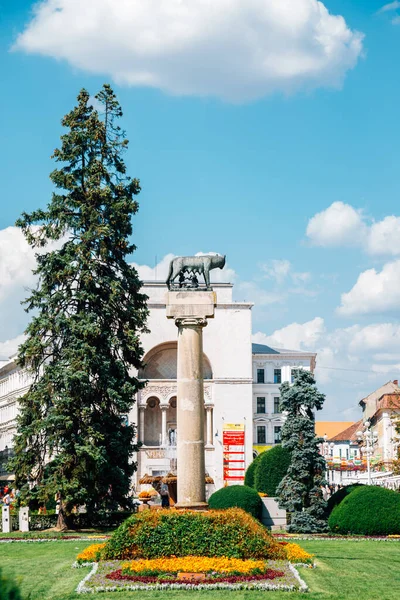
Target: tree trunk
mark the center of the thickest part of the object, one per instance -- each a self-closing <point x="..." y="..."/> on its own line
<point x="62" y="521"/>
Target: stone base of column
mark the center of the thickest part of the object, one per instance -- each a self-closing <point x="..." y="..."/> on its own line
<point x="191" y="506"/>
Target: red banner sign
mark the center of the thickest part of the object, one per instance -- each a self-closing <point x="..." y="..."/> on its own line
<point x="233" y="439"/>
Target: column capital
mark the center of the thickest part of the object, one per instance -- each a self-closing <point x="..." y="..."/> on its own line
<point x="208" y="407"/>
<point x="142" y="407"/>
<point x="164" y="407"/>
<point x="190" y="322"/>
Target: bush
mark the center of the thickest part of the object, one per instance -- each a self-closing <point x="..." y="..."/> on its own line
<point x="271" y="469"/>
<point x="249" y="478"/>
<point x="368" y="510"/>
<point x="240" y="496"/>
<point x="154" y="534"/>
<point x="338" y="496"/>
<point x="8" y="589"/>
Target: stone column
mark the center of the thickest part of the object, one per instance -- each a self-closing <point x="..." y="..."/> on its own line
<point x="24" y="518"/>
<point x="209" y="412"/>
<point x="164" y="409"/>
<point x="141" y="423"/>
<point x="190" y="310"/>
<point x="6" y="520"/>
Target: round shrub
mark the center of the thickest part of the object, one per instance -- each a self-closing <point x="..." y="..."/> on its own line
<point x="8" y="589"/>
<point x="249" y="477"/>
<point x="338" y="496"/>
<point x="154" y="534"/>
<point x="368" y="510"/>
<point x="241" y="496"/>
<point x="271" y="469"/>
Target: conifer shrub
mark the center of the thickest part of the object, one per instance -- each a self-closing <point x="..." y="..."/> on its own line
<point x="240" y="496"/>
<point x="271" y="469"/>
<point x="338" y="496"/>
<point x="153" y="534"/>
<point x="249" y="477"/>
<point x="8" y="589"/>
<point x="368" y="510"/>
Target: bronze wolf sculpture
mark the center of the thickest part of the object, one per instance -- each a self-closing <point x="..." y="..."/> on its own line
<point x="194" y="264"/>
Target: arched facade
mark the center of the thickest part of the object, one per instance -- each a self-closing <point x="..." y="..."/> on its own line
<point x="161" y="363"/>
<point x="157" y="401"/>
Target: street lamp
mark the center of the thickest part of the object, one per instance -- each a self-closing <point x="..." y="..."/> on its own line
<point x="369" y="439"/>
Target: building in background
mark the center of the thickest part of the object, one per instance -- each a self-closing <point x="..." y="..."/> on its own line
<point x="241" y="391"/>
<point x="271" y="367"/>
<point x="382" y="409"/>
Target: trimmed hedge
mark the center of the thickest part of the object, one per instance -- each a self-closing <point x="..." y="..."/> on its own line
<point x="249" y="477"/>
<point x="271" y="469"/>
<point x="240" y="496"/>
<point x="338" y="496"/>
<point x="8" y="589"/>
<point x="154" y="534"/>
<point x="368" y="510"/>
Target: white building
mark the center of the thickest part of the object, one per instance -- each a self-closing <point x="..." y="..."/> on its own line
<point x="241" y="391"/>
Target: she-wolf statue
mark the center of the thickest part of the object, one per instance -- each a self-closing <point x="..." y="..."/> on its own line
<point x="187" y="265"/>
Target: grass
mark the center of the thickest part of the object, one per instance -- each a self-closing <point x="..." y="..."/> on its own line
<point x="346" y="571"/>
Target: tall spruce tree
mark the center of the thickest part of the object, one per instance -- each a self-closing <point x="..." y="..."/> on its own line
<point x="300" y="490"/>
<point x="88" y="314"/>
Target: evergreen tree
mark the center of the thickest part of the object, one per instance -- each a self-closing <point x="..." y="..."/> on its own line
<point x="300" y="490"/>
<point x="88" y="313"/>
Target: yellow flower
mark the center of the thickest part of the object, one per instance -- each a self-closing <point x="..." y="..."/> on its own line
<point x="194" y="564"/>
<point x="90" y="554"/>
<point x="295" y="553"/>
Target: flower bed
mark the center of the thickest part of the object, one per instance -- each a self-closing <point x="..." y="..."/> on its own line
<point x="193" y="564"/>
<point x="108" y="576"/>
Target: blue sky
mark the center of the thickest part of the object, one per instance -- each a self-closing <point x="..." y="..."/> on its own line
<point x="230" y="162"/>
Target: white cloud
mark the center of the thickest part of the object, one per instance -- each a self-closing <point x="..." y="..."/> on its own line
<point x="276" y="269"/>
<point x="384" y="237"/>
<point x="17" y="260"/>
<point x="296" y="336"/>
<point x="342" y="225"/>
<point x="249" y="291"/>
<point x="339" y="225"/>
<point x="390" y="6"/>
<point x="10" y="347"/>
<point x="157" y="273"/>
<point x="160" y="271"/>
<point x="232" y="49"/>
<point x="372" y="338"/>
<point x="374" y="292"/>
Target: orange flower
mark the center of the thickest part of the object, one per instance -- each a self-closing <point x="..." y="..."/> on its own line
<point x="90" y="554"/>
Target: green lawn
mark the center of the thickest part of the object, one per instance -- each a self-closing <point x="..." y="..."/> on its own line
<point x="346" y="571"/>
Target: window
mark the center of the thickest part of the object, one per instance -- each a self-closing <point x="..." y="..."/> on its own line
<point x="261" y="434"/>
<point x="276" y="405"/>
<point x="294" y="374"/>
<point x="277" y="434"/>
<point x="260" y="376"/>
<point x="260" y="405"/>
<point x="277" y="375"/>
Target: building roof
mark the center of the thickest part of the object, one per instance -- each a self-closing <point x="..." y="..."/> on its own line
<point x="388" y="401"/>
<point x="348" y="434"/>
<point x="389" y="387"/>
<point x="331" y="428"/>
<point x="264" y="349"/>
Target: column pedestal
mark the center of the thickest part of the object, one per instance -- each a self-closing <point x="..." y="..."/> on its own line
<point x="190" y="310"/>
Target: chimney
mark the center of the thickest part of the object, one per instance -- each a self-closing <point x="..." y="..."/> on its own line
<point x="396" y="381"/>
